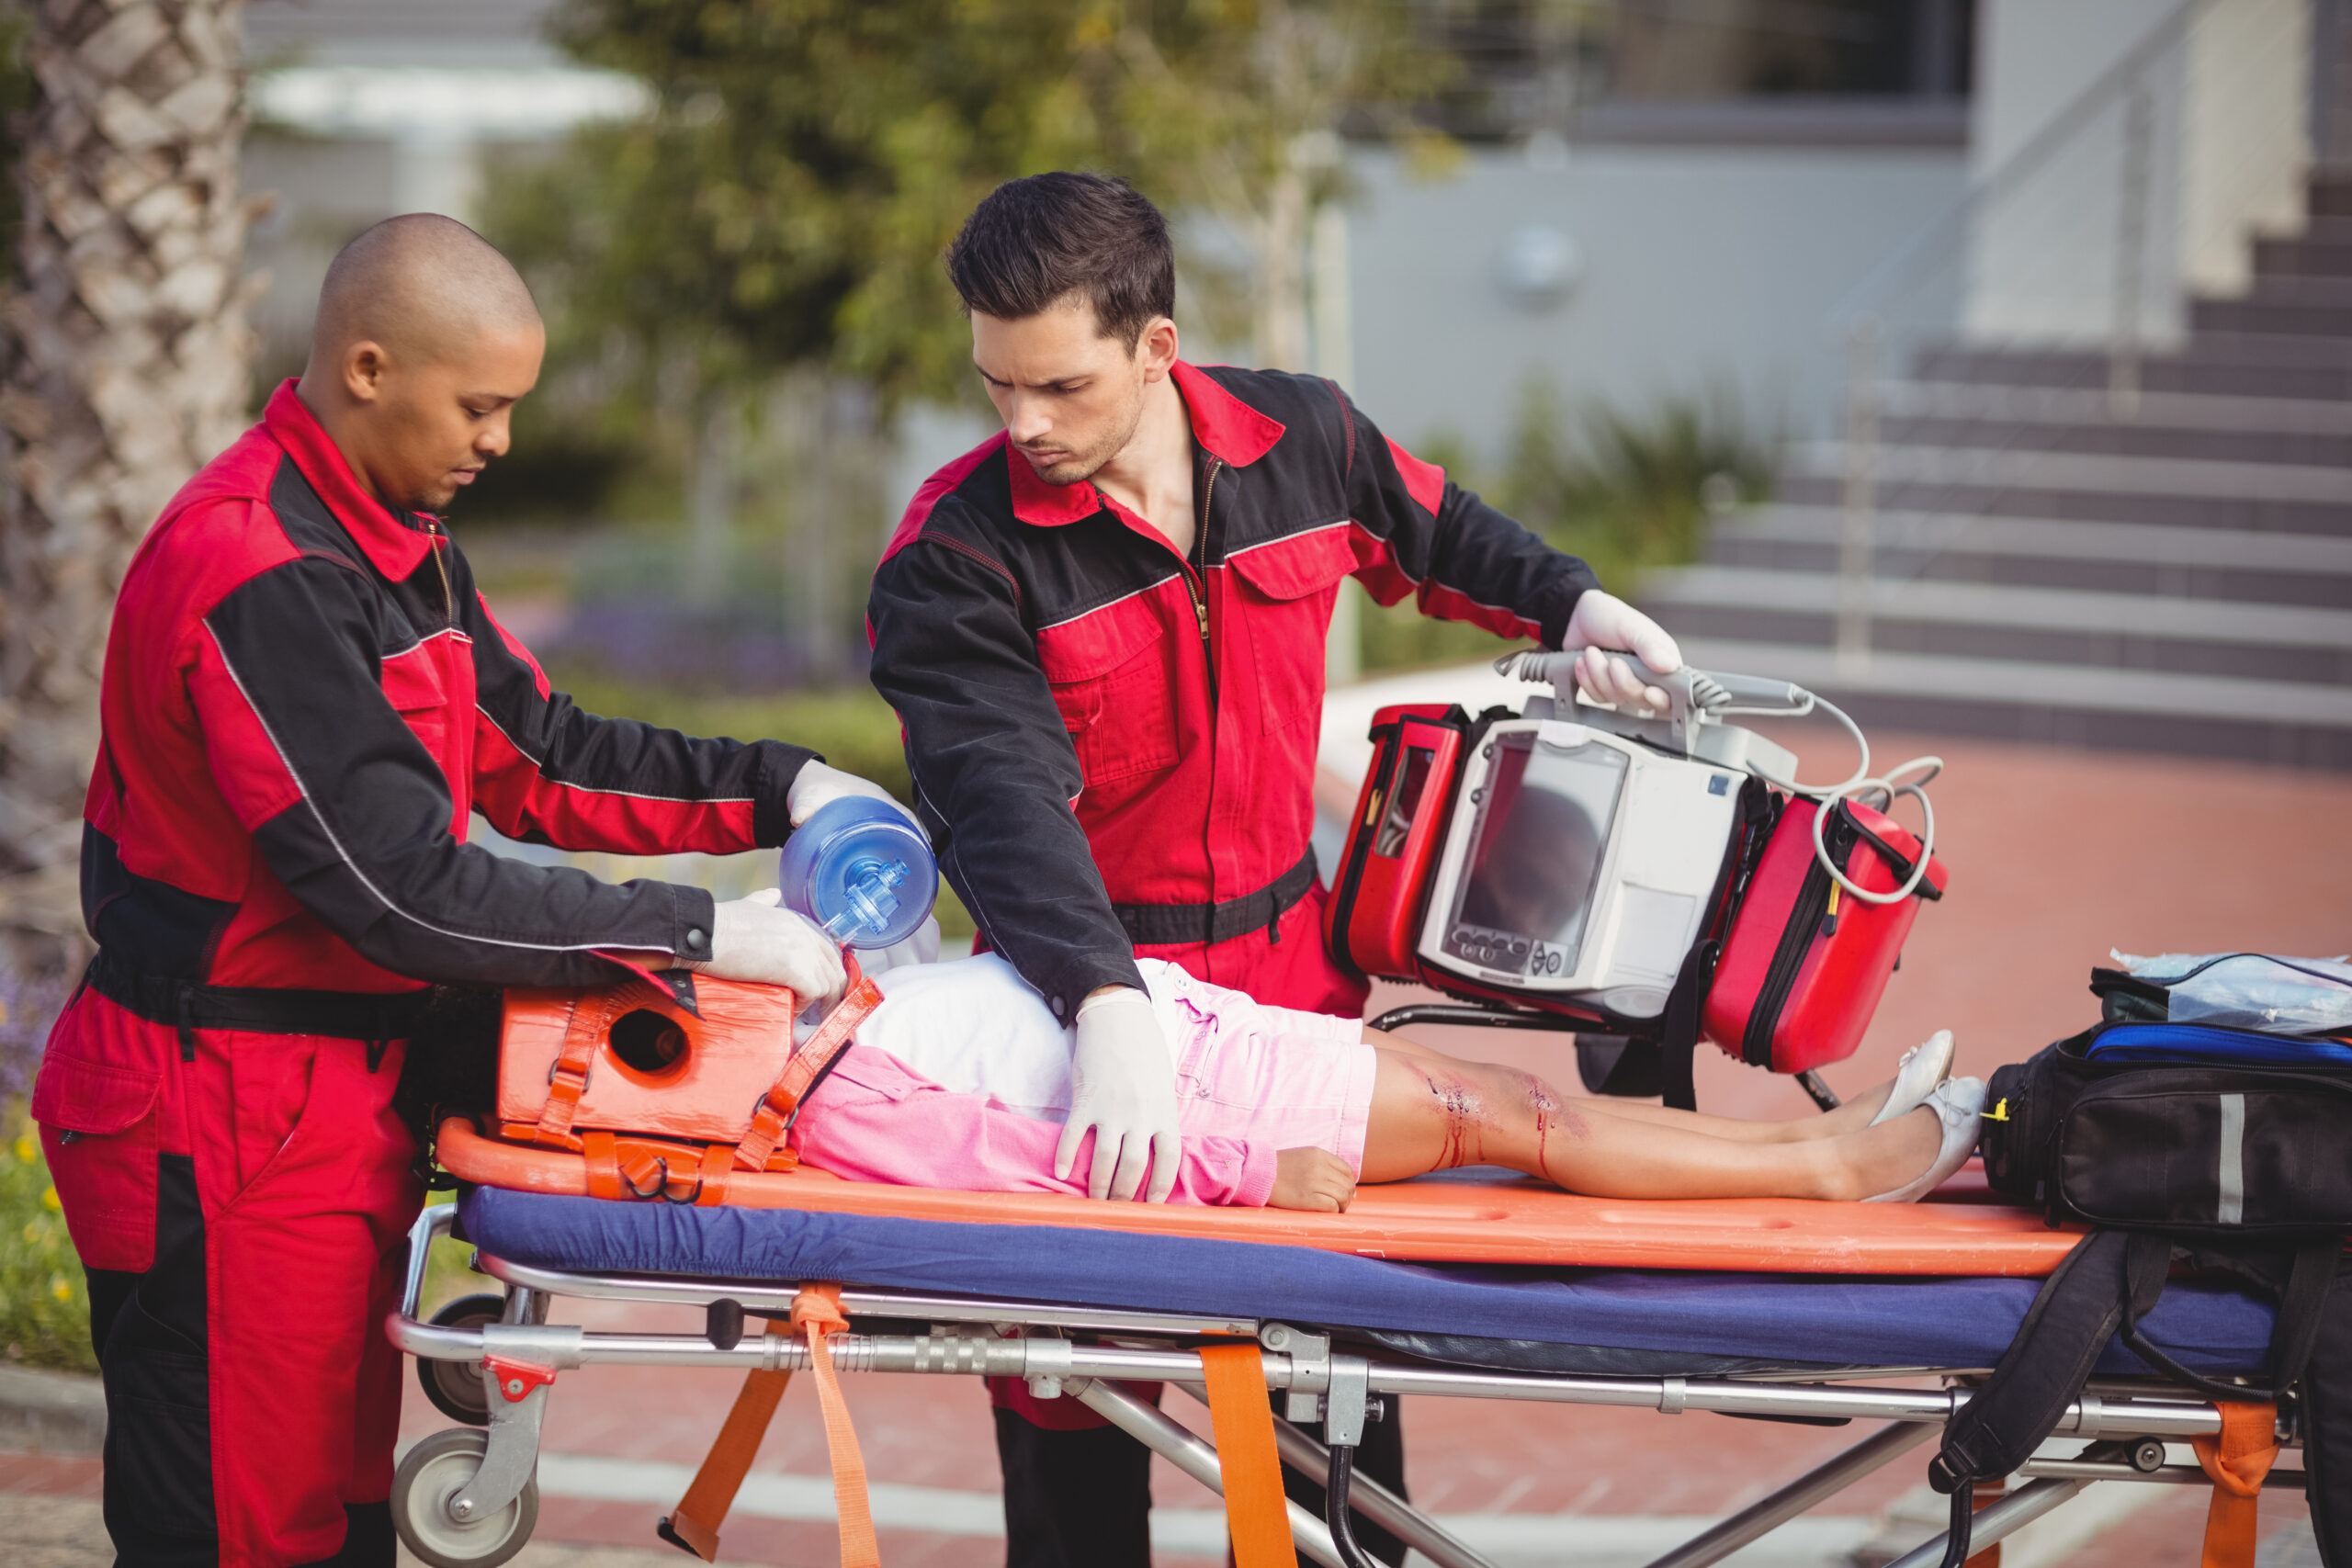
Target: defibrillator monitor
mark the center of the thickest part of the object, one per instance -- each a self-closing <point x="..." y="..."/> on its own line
<point x="1577" y="862"/>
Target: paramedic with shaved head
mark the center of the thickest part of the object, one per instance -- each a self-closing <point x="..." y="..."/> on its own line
<point x="304" y="702"/>
<point x="1103" y="630"/>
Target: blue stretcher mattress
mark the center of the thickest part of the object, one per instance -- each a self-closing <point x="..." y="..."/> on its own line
<point x="1628" y="1322"/>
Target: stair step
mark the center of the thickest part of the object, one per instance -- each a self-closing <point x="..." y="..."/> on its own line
<point x="2042" y="552"/>
<point x="2253" y="315"/>
<point x="2023" y="699"/>
<point x="2257" y="364"/>
<point x="2188" y="476"/>
<point x="2323" y="633"/>
<point x="2090" y="403"/>
<point x="2085" y="420"/>
<point x="2303" y="256"/>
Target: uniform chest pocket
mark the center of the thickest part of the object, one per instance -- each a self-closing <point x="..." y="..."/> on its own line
<point x="1115" y="689"/>
<point x="430" y="685"/>
<point x="1285" y="591"/>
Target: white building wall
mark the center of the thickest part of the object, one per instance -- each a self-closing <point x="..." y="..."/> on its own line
<point x="2222" y="150"/>
<point x="1695" y="268"/>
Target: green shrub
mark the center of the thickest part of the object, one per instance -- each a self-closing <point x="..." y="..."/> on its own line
<point x="1626" y="494"/>
<point x="44" y="1301"/>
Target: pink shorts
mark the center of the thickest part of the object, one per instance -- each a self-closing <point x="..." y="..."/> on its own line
<point x="1265" y="1075"/>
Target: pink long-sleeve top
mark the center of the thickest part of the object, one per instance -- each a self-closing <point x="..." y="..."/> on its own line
<point x="874" y="1119"/>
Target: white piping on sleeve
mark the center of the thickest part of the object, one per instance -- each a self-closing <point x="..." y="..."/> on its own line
<point x="539" y="764"/>
<point x="291" y="772"/>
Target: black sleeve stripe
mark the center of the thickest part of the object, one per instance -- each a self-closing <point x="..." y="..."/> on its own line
<point x="540" y="764"/>
<point x="351" y="862"/>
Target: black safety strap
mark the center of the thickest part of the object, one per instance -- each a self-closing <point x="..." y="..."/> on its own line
<point x="1678" y="1032"/>
<point x="2302" y="1309"/>
<point x="1169" y="924"/>
<point x="2076" y="1313"/>
<point x="187" y="1006"/>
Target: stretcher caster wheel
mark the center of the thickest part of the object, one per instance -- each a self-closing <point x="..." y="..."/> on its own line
<point x="438" y="1469"/>
<point x="455" y="1387"/>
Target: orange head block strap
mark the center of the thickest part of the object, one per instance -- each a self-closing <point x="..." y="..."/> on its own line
<point x="832" y="1037"/>
<point x="584" y="1024"/>
<point x="817" y="1312"/>
<point x="2237" y="1459"/>
<point x="1256" y="1515"/>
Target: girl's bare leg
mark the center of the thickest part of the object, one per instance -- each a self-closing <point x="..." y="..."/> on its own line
<point x="1851" y="1117"/>
<point x="1432" y="1113"/>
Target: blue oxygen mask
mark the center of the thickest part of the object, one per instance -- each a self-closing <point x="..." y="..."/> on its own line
<point x="858" y="868"/>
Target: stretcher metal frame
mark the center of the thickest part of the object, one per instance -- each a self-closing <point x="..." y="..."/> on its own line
<point x="1087" y="1353"/>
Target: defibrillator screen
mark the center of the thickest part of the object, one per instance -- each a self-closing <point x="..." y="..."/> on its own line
<point x="1541" y="834"/>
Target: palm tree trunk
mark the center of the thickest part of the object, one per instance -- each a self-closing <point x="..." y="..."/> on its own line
<point x="123" y="367"/>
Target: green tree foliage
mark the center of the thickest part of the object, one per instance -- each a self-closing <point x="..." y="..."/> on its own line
<point x="806" y="161"/>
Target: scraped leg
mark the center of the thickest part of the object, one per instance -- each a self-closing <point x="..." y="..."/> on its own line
<point x="1852" y="1116"/>
<point x="1432" y="1112"/>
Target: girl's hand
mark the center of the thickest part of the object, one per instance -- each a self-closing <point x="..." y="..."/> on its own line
<point x="1312" y="1178"/>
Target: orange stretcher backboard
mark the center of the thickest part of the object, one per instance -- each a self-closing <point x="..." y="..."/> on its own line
<point x="1522" y="1221"/>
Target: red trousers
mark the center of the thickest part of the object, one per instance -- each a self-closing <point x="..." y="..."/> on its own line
<point x="243" y="1219"/>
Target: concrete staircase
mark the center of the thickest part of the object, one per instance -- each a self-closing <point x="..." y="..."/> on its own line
<point x="2176" y="578"/>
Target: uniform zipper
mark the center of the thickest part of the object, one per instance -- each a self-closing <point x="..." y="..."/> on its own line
<point x="449" y="594"/>
<point x="1194" y="585"/>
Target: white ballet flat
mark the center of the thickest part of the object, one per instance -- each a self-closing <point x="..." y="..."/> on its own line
<point x="1959" y="1103"/>
<point x="1923" y="1067"/>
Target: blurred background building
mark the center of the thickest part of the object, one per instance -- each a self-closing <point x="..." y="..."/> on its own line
<point x="2025" y="318"/>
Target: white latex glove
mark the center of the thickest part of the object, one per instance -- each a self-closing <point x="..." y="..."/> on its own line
<point x="1604" y="620"/>
<point x="1123" y="1085"/>
<point x="816" y="786"/>
<point x="755" y="939"/>
<point x="920" y="947"/>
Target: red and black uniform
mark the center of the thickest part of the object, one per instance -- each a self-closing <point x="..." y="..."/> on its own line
<point x="304" y="701"/>
<point x="1113" y="747"/>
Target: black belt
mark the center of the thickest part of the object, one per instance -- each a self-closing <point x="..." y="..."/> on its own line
<point x="1166" y="924"/>
<point x="189" y="1004"/>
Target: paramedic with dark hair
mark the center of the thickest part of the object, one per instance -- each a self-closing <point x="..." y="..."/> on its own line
<point x="1103" y="631"/>
<point x="304" y="702"/>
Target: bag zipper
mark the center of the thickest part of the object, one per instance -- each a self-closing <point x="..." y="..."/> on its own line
<point x="1796" y="941"/>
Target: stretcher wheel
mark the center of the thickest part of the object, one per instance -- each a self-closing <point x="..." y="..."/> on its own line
<point x="438" y="1469"/>
<point x="455" y="1387"/>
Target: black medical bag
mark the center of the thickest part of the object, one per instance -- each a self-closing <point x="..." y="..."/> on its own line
<point x="2192" y="1147"/>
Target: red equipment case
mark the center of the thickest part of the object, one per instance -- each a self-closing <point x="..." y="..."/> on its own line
<point x="1805" y="961"/>
<point x="1373" y="921"/>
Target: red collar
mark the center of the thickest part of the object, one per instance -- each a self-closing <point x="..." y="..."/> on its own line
<point x="1226" y="427"/>
<point x="395" y="545"/>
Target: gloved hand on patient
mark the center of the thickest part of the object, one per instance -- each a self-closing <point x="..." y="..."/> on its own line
<point x="755" y="939"/>
<point x="1604" y="620"/>
<point x="1123" y="1086"/>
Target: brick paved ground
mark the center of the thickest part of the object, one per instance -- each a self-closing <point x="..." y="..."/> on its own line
<point x="2054" y="857"/>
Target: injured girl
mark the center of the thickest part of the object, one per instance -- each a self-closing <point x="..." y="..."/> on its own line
<point x="961" y="1078"/>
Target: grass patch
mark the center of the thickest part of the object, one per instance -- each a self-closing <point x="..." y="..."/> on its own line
<point x="44" y="1300"/>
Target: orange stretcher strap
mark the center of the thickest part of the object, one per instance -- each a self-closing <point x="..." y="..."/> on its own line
<point x="694" y="1523"/>
<point x="832" y="1036"/>
<point x="1255" y="1514"/>
<point x="2237" y="1461"/>
<point x="817" y="1312"/>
